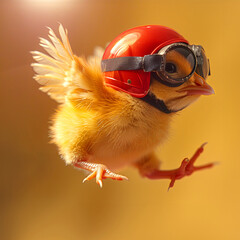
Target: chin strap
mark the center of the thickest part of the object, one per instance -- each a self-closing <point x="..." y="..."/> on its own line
<point x="151" y="99"/>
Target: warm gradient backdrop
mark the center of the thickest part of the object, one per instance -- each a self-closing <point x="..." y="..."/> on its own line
<point x="42" y="199"/>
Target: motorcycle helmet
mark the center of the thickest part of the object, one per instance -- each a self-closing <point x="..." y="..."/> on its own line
<point x="132" y="57"/>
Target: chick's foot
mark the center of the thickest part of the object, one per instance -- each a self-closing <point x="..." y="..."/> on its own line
<point x="99" y="171"/>
<point x="187" y="168"/>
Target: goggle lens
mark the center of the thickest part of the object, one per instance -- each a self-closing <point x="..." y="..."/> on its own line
<point x="179" y="63"/>
<point x="203" y="68"/>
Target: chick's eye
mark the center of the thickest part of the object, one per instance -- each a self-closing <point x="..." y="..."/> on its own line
<point x="171" y="68"/>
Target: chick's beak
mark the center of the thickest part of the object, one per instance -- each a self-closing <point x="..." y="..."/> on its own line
<point x="197" y="86"/>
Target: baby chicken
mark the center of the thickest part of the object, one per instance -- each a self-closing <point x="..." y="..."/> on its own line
<point x="106" y="121"/>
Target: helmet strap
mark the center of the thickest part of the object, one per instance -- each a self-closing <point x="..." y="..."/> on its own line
<point x="159" y="104"/>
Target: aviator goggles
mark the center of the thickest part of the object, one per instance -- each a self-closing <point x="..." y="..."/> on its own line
<point x="173" y="65"/>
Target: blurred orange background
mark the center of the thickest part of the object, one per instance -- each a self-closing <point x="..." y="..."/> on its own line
<point x="41" y="198"/>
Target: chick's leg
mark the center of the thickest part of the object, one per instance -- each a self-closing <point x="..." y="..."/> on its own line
<point x="99" y="171"/>
<point x="186" y="168"/>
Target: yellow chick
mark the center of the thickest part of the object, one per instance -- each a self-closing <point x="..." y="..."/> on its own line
<point x="116" y="113"/>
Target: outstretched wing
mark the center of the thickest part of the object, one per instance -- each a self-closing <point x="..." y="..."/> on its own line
<point x="64" y="75"/>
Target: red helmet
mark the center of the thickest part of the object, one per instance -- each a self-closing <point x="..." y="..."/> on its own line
<point x="136" y="42"/>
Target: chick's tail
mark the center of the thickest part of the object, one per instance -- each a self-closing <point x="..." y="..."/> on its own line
<point x="63" y="75"/>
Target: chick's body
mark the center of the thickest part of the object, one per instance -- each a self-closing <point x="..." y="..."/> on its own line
<point x="116" y="132"/>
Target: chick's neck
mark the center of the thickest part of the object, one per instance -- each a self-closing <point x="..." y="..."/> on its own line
<point x="145" y="115"/>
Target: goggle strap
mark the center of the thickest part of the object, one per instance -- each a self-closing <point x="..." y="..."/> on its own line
<point x="121" y="63"/>
<point x="152" y="63"/>
<point x="148" y="63"/>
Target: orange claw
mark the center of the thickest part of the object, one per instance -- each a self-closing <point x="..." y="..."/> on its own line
<point x="187" y="168"/>
<point x="99" y="171"/>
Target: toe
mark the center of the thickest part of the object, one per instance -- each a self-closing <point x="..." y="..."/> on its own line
<point x="182" y="169"/>
<point x="90" y="176"/>
<point x="99" y="182"/>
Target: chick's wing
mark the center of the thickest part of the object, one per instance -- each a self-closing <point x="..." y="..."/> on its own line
<point x="62" y="74"/>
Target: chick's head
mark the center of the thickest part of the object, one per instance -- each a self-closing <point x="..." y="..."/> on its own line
<point x="156" y="64"/>
<point x="179" y="96"/>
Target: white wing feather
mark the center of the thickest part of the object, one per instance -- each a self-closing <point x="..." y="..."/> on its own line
<point x="58" y="72"/>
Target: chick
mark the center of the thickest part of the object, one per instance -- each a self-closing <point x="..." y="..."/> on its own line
<point x="100" y="129"/>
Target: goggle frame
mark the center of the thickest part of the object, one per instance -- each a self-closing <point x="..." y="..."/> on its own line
<point x="197" y="52"/>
